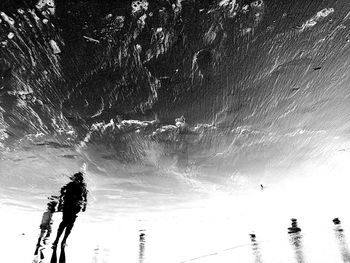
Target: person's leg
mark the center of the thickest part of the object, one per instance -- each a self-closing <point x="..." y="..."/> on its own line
<point x="54" y="256"/>
<point x="36" y="250"/>
<point x="47" y="235"/>
<point x="62" y="256"/>
<point x="70" y="219"/>
<point x="37" y="247"/>
<point x="41" y="254"/>
<point x="67" y="232"/>
<point x="42" y="233"/>
<point x="59" y="232"/>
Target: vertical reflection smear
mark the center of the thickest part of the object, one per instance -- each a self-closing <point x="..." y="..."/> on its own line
<point x="296" y="241"/>
<point x="142" y="243"/>
<point x="96" y="255"/>
<point x="340" y="236"/>
<point x="256" y="249"/>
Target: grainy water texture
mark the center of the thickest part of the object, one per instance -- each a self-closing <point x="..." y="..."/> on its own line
<point x="202" y="127"/>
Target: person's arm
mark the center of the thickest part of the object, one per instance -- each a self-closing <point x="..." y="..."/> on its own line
<point x="60" y="200"/>
<point x="84" y="200"/>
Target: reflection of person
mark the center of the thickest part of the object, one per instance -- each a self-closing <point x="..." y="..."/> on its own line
<point x="73" y="199"/>
<point x="142" y="247"/>
<point x="45" y="226"/>
<point x="62" y="256"/>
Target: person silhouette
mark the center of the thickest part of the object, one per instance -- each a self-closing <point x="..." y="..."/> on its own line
<point x="73" y="199"/>
<point x="45" y="227"/>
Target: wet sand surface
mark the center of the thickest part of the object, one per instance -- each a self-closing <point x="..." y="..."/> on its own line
<point x="207" y="131"/>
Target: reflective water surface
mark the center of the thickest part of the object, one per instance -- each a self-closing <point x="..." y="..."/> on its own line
<point x="205" y="131"/>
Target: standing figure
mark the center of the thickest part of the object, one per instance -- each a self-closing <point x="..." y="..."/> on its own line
<point x="45" y="227"/>
<point x="73" y="199"/>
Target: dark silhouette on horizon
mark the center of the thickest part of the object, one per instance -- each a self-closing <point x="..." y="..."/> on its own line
<point x="340" y="236"/>
<point x="296" y="241"/>
<point x="73" y="199"/>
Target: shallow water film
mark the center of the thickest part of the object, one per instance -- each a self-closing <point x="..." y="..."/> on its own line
<point x="175" y="131"/>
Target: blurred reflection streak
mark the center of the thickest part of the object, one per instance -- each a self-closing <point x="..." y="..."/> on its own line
<point x="343" y="246"/>
<point x="296" y="241"/>
<point x="256" y="249"/>
<point x="142" y="243"/>
<point x="100" y="255"/>
<point x="96" y="255"/>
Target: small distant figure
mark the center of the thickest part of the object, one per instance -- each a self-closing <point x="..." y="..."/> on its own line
<point x="336" y="221"/>
<point x="262" y="187"/>
<point x="45" y="226"/>
<point x="73" y="199"/>
<point x="294" y="229"/>
<point x="252" y="237"/>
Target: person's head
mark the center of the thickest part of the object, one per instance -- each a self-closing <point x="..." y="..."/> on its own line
<point x="77" y="177"/>
<point x="51" y="206"/>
